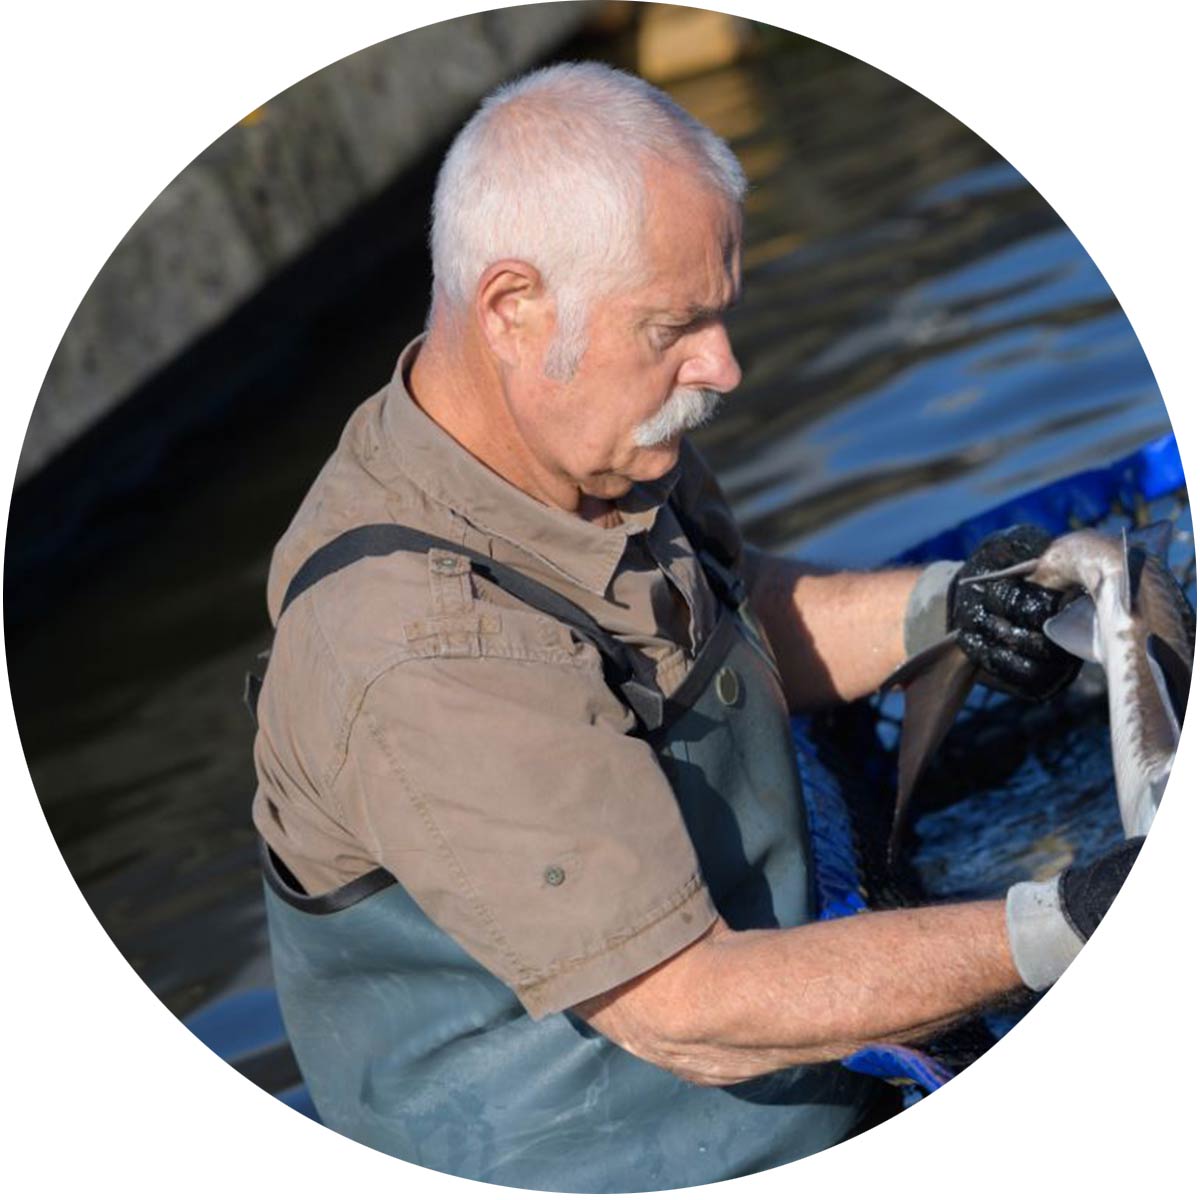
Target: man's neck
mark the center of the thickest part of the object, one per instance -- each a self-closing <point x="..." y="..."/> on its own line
<point x="459" y="390"/>
<point x="600" y="512"/>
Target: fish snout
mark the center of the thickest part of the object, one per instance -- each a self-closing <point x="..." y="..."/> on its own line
<point x="1053" y="570"/>
<point x="1024" y="569"/>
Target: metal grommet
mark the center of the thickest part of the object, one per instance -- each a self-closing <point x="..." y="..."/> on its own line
<point x="554" y="876"/>
<point x="729" y="687"/>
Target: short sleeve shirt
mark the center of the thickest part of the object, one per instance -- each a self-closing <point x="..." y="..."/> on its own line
<point x="415" y="717"/>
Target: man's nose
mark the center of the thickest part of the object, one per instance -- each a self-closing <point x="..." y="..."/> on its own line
<point x="713" y="364"/>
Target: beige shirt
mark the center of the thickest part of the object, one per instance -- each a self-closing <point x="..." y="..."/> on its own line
<point x="417" y="718"/>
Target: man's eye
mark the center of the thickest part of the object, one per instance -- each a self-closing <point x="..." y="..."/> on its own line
<point x="666" y="335"/>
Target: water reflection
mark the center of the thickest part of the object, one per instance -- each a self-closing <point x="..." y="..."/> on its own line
<point x="962" y="341"/>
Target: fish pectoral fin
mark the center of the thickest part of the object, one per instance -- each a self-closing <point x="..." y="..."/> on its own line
<point x="1074" y="629"/>
<point x="936" y="684"/>
<point x="1172" y="676"/>
<point x="913" y="667"/>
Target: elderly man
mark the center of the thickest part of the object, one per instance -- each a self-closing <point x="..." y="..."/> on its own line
<point x="540" y="893"/>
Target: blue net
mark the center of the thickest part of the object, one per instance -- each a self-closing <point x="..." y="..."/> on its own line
<point x="1017" y="791"/>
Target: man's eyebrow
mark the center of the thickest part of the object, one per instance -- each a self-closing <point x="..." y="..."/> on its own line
<point x="701" y="312"/>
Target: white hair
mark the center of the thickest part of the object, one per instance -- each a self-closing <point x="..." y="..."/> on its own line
<point x="550" y="170"/>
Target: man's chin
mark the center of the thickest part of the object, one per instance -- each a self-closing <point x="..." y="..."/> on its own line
<point x="653" y="462"/>
<point x="647" y="465"/>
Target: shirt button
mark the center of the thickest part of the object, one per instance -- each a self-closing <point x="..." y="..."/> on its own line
<point x="554" y="876"/>
<point x="729" y="687"/>
<point x="445" y="562"/>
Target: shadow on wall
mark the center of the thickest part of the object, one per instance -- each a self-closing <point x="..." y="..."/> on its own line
<point x="285" y="219"/>
<point x="265" y="193"/>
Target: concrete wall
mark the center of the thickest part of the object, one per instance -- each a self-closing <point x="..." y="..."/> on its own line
<point x="264" y="192"/>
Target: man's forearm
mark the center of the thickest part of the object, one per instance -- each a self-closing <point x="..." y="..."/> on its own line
<point x="836" y="636"/>
<point x="739" y="1004"/>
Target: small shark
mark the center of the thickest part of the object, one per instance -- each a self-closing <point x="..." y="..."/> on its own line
<point x="1128" y="614"/>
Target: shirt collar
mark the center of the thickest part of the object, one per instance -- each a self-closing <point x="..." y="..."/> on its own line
<point x="583" y="553"/>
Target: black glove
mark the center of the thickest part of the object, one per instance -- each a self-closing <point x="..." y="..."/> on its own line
<point x="999" y="623"/>
<point x="1085" y="893"/>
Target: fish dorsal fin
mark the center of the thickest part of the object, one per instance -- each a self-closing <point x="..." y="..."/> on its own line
<point x="1074" y="629"/>
<point x="1126" y="590"/>
<point x="936" y="684"/>
<point x="1172" y="675"/>
<point x="1155" y="538"/>
<point x="1133" y="560"/>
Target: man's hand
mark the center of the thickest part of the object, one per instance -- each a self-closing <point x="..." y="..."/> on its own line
<point x="1049" y="922"/>
<point x="999" y="623"/>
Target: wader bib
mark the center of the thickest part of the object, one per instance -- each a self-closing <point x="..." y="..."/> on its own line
<point x="408" y="1045"/>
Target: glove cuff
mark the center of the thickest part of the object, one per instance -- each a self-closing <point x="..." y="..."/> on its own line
<point x="925" y="618"/>
<point x="1042" y="940"/>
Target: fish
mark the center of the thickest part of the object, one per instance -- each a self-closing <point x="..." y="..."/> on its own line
<point x="1126" y="612"/>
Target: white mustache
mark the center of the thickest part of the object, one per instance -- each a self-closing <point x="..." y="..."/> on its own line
<point x="686" y="408"/>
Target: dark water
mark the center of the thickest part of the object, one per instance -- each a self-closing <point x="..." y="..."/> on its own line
<point x="921" y="338"/>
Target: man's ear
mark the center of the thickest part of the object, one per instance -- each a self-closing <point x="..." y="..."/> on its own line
<point x="513" y="309"/>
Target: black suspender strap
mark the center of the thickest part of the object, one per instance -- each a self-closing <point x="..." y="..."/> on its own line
<point x="722" y="578"/>
<point x="623" y="668"/>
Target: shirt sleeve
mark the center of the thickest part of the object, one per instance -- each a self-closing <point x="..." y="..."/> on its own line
<point x="502" y="790"/>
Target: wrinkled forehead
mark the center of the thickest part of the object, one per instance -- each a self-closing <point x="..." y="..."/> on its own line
<point x="691" y="231"/>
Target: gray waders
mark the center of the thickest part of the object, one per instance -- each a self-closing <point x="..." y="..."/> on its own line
<point x="408" y="1045"/>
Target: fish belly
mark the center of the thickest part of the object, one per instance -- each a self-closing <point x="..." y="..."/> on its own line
<point x="1142" y="759"/>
